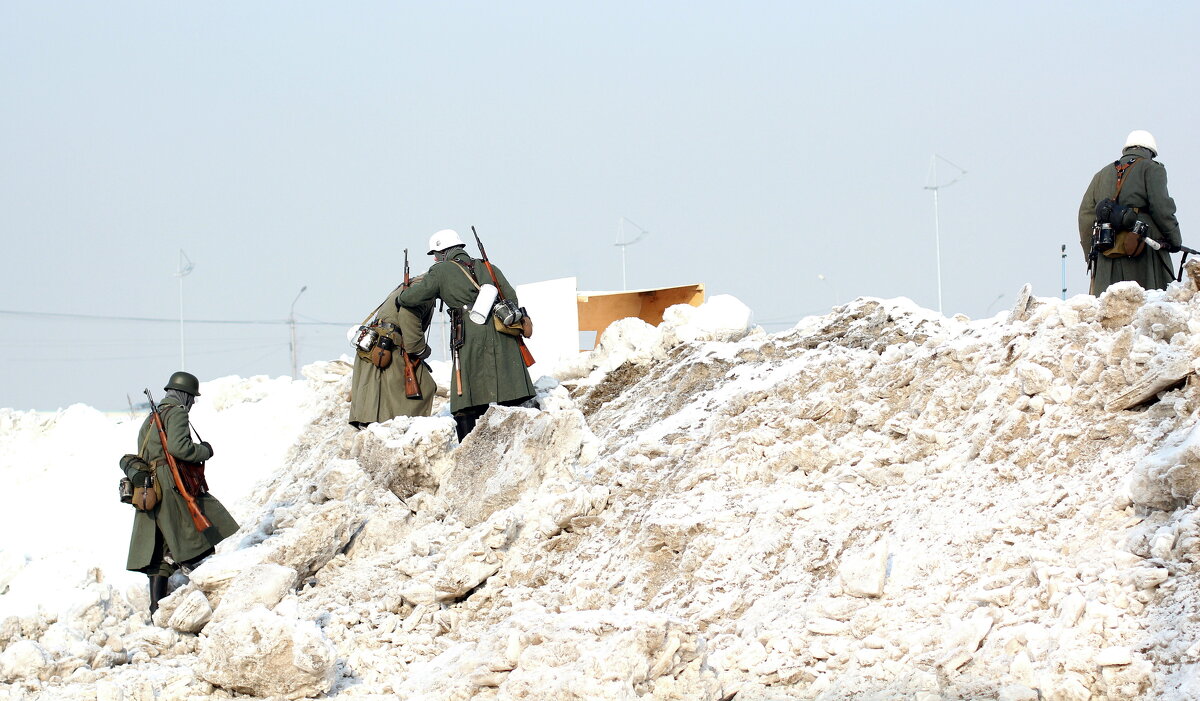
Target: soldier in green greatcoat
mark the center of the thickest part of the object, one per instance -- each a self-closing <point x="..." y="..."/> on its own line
<point x="487" y="368"/>
<point x="164" y="538"/>
<point x="376" y="394"/>
<point x="1145" y="189"/>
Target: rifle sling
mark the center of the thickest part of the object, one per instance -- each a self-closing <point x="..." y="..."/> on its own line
<point x="191" y="477"/>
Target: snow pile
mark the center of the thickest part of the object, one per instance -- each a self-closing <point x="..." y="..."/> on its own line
<point x="878" y="503"/>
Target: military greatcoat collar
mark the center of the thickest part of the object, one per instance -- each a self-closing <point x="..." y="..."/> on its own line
<point x="1141" y="151"/>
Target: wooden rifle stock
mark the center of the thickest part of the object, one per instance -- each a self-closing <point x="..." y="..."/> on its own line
<point x="412" y="390"/>
<point x="526" y="355"/>
<point x="199" y="520"/>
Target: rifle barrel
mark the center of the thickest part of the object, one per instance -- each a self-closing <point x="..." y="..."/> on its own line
<point x="479" y="243"/>
<point x="199" y="520"/>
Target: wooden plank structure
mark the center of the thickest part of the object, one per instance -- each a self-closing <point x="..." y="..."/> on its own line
<point x="599" y="309"/>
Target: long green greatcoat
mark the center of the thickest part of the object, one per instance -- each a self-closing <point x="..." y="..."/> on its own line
<point x="1145" y="187"/>
<point x="171" y="515"/>
<point x="378" y="395"/>
<point x="490" y="362"/>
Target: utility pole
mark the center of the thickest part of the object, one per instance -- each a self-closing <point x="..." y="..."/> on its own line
<point x="292" y="323"/>
<point x="184" y="269"/>
<point x="937" y="229"/>
<point x="623" y="244"/>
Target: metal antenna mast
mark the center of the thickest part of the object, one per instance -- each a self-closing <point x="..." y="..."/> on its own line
<point x="937" y="229"/>
<point x="292" y="323"/>
<point x="623" y="244"/>
<point x="185" y="268"/>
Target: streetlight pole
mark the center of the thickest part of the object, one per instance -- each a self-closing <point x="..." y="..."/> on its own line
<point x="185" y="268"/>
<point x="292" y="323"/>
<point x="937" y="229"/>
<point x="623" y="244"/>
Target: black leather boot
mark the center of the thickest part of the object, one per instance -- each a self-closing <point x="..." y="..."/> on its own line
<point x="158" y="589"/>
<point x="465" y="420"/>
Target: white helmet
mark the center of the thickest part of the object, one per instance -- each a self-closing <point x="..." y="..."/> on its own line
<point x="441" y="240"/>
<point x="1140" y="137"/>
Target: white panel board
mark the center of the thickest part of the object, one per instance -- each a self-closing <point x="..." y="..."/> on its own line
<point x="554" y="308"/>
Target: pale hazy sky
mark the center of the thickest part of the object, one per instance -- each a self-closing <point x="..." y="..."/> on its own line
<point x="284" y="144"/>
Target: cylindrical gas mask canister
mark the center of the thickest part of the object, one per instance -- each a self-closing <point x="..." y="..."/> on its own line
<point x="1107" y="237"/>
<point x="483" y="303"/>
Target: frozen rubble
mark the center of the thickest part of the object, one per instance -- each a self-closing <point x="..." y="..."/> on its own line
<point x="879" y="503"/>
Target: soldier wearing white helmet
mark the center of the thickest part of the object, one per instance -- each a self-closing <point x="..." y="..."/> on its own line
<point x="1125" y="206"/>
<point x="442" y="241"/>
<point x="1143" y="138"/>
<point x="487" y="366"/>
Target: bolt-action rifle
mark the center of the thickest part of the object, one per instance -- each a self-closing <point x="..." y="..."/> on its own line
<point x="199" y="520"/>
<point x="1183" y="261"/>
<point x="1091" y="258"/>
<point x="1142" y="230"/>
<point x="412" y="390"/>
<point x="526" y="356"/>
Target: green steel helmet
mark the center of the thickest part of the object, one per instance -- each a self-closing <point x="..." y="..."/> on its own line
<point x="184" y="381"/>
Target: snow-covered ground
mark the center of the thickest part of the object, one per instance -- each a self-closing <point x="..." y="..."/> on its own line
<point x="61" y="514"/>
<point x="879" y="503"/>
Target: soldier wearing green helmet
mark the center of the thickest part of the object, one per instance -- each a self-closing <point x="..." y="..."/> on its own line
<point x="184" y="382"/>
<point x="165" y="538"/>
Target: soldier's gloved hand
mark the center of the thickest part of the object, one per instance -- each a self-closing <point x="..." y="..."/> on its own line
<point x="423" y="354"/>
<point x="1171" y="247"/>
<point x="144" y="479"/>
<point x="206" y="444"/>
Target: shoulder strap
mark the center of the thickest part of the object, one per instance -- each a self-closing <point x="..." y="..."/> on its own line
<point x="191" y="428"/>
<point x="142" y="449"/>
<point x="1122" y="171"/>
<point x="372" y="314"/>
<point x="468" y="272"/>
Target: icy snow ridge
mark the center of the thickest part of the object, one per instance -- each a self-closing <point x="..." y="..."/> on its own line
<point x="878" y="503"/>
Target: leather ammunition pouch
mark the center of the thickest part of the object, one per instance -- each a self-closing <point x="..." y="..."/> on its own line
<point x="192" y="476"/>
<point x="458" y="330"/>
